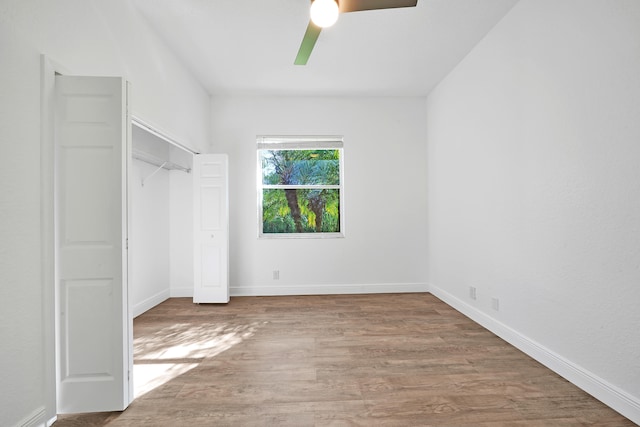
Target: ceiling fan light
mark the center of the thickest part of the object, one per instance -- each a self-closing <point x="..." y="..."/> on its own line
<point x="324" y="13"/>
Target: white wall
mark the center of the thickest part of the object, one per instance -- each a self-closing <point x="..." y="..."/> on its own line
<point x="533" y="146"/>
<point x="149" y="237"/>
<point x="384" y="160"/>
<point x="149" y="225"/>
<point x="181" y="234"/>
<point x="22" y="364"/>
<point x="86" y="37"/>
<point x="161" y="228"/>
<point x="111" y="39"/>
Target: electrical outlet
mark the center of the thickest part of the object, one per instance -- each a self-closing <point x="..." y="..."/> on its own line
<point x="472" y="292"/>
<point x="495" y="304"/>
<point x="276" y="274"/>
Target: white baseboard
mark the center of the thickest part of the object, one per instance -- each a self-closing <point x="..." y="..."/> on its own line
<point x="614" y="397"/>
<point x="150" y="302"/>
<point x="34" y="419"/>
<point x="181" y="292"/>
<point x="237" y="291"/>
<point x="374" y="288"/>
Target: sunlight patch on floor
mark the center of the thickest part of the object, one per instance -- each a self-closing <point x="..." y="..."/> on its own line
<point x="147" y="377"/>
<point x="187" y="341"/>
<point x="175" y="350"/>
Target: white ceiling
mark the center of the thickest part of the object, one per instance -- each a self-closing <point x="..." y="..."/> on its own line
<point x="248" y="46"/>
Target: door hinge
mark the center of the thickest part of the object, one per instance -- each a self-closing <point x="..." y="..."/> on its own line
<point x="126" y="245"/>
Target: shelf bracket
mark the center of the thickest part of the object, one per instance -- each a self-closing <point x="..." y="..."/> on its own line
<point x="153" y="173"/>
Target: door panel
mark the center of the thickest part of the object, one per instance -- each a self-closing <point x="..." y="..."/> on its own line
<point x="92" y="134"/>
<point x="211" y="234"/>
<point x="88" y="305"/>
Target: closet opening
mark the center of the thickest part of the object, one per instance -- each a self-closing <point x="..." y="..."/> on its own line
<point x="160" y="235"/>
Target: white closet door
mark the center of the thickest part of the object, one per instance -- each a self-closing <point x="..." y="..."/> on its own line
<point x="211" y="234"/>
<point x="94" y="330"/>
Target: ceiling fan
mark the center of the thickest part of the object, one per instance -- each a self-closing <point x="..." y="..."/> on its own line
<point x="324" y="13"/>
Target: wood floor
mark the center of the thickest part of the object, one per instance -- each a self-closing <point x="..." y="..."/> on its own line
<point x="348" y="360"/>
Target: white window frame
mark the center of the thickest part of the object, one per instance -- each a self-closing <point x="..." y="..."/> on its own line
<point x="299" y="143"/>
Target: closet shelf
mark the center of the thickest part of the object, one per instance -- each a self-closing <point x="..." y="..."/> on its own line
<point x="153" y="160"/>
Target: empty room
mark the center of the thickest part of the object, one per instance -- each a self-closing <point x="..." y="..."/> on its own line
<point x="413" y="213"/>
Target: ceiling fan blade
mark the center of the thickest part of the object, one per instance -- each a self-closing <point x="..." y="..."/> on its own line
<point x="308" y="42"/>
<point x="359" y="5"/>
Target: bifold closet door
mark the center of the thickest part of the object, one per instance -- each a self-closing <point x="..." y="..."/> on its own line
<point x="211" y="228"/>
<point x="92" y="132"/>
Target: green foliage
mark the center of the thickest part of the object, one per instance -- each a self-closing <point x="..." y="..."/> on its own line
<point x="300" y="167"/>
<point x="277" y="218"/>
<point x="300" y="209"/>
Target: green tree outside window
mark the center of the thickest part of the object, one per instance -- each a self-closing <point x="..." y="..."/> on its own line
<point x="300" y="190"/>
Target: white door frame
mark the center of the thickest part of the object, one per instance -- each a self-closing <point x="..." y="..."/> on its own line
<point x="48" y="70"/>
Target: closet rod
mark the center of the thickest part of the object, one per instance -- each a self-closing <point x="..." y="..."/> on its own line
<point x="147" y="158"/>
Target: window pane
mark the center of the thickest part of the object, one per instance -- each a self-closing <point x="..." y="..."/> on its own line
<point x="300" y="211"/>
<point x="300" y="167"/>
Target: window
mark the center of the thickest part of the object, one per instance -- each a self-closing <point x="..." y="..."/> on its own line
<point x="300" y="187"/>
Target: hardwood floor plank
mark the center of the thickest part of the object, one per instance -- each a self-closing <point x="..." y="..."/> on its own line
<point x="339" y="360"/>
